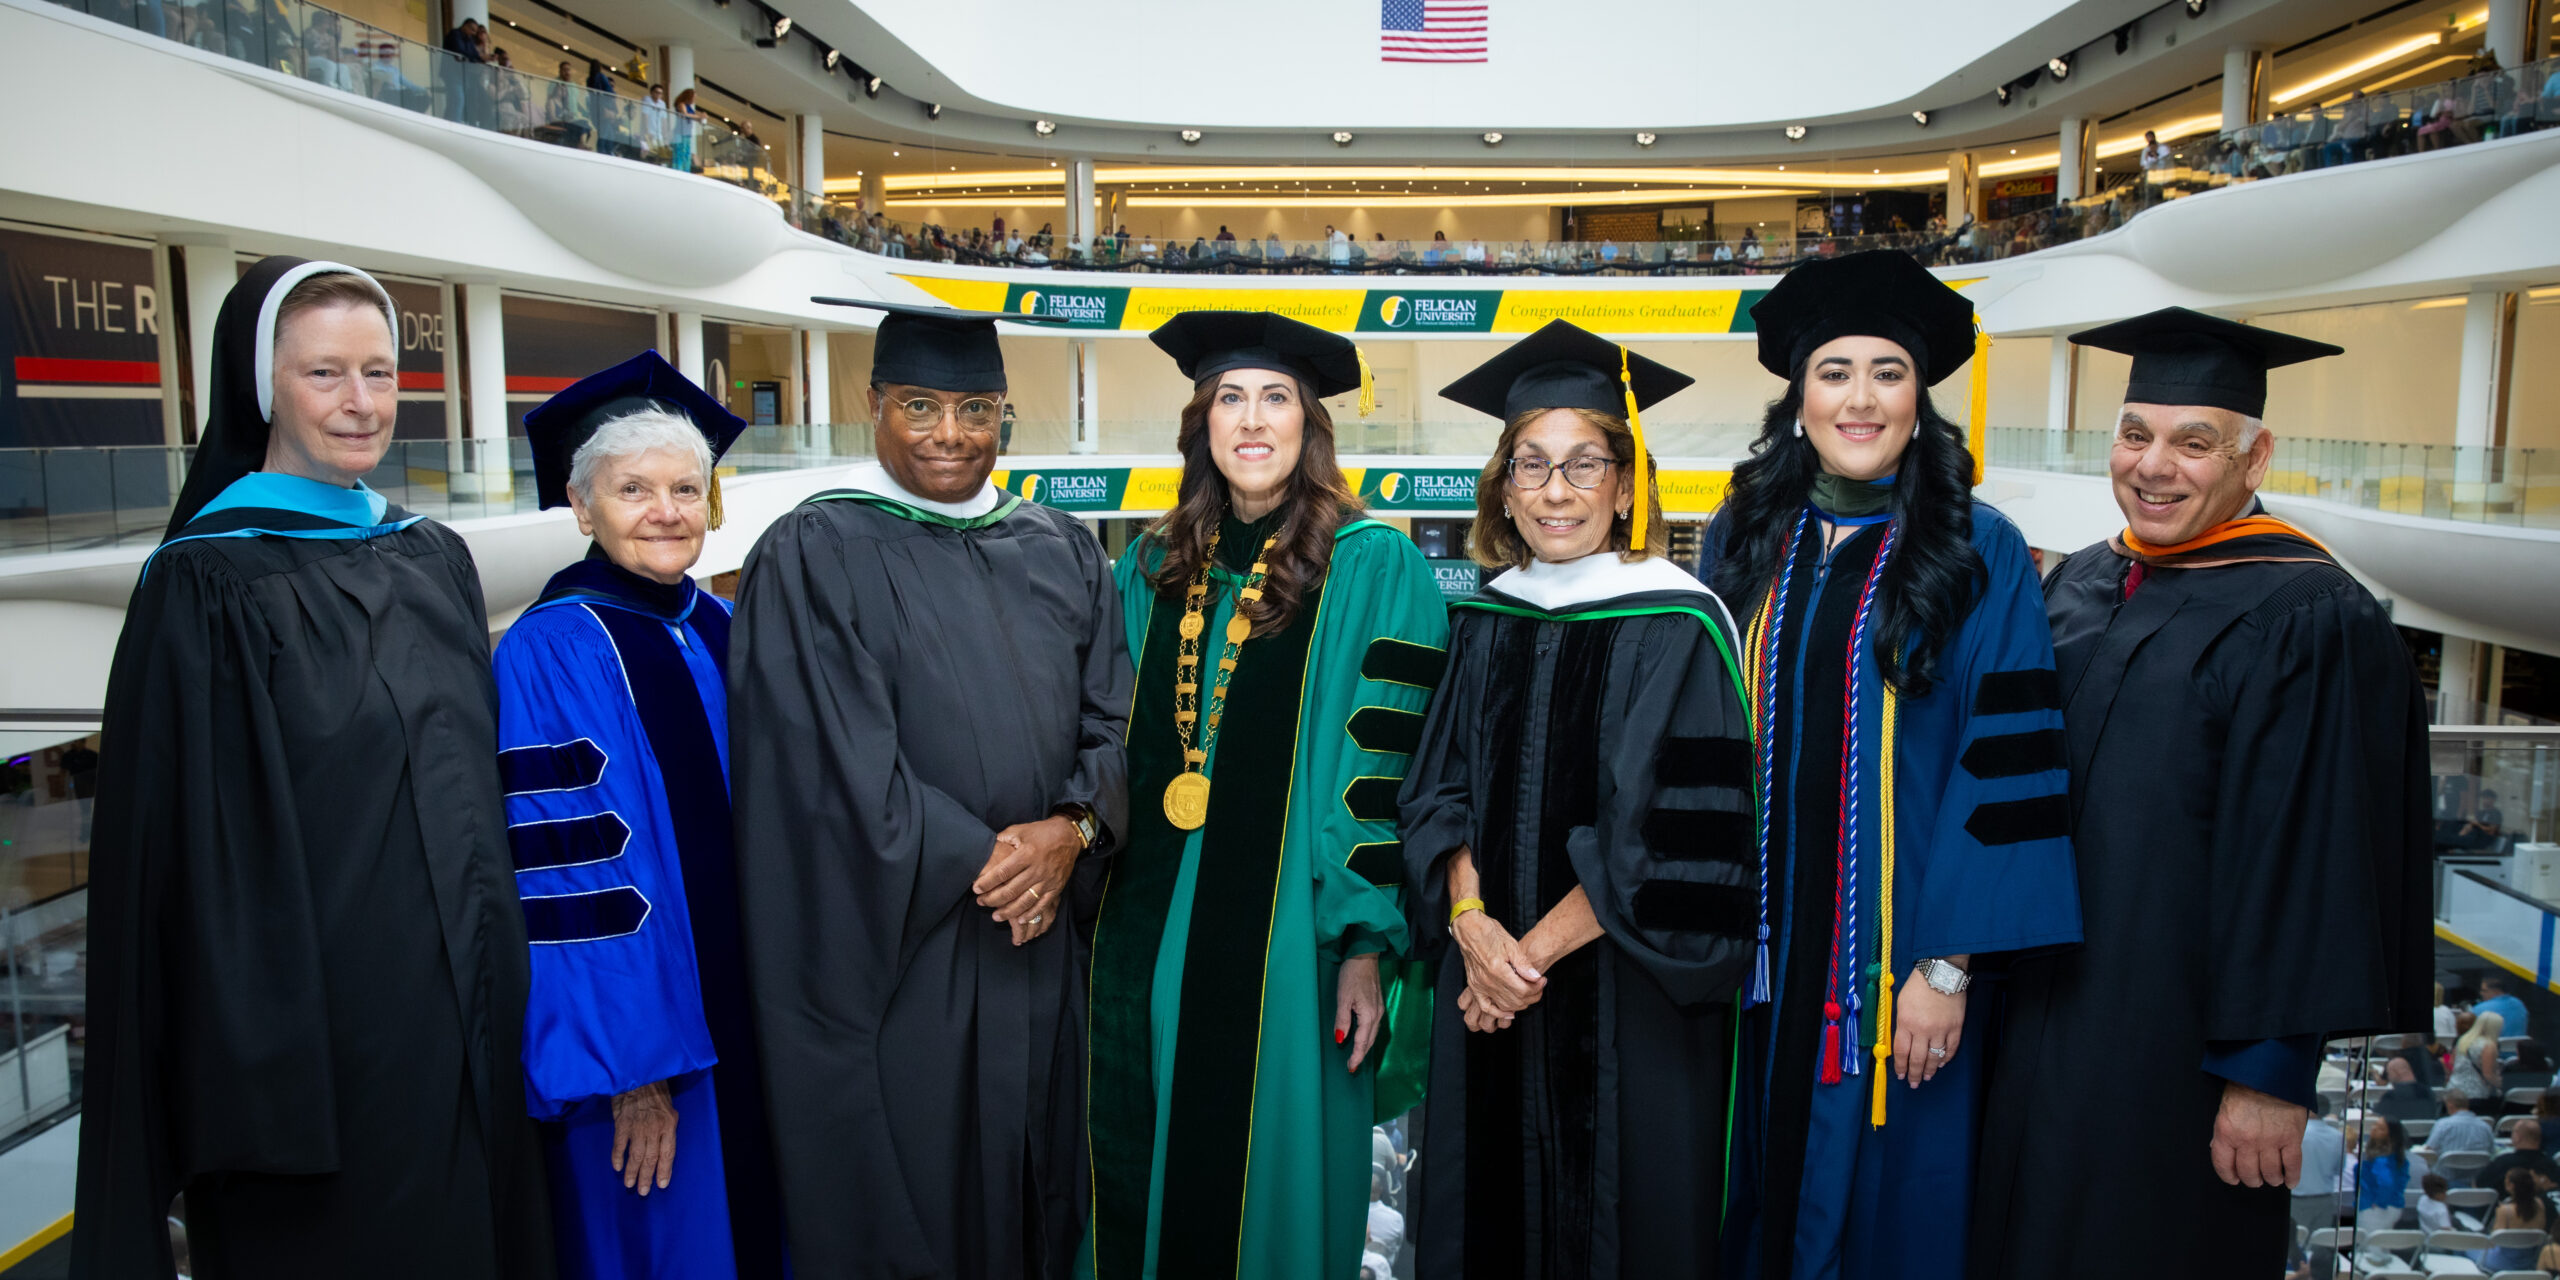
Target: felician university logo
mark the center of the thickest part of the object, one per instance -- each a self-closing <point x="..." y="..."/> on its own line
<point x="1394" y="312"/>
<point x="1392" y="483"/>
<point x="1030" y="304"/>
<point x="1030" y="483"/>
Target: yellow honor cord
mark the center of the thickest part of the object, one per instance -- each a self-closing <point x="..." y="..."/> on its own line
<point x="1368" y="384"/>
<point x="1884" y="906"/>
<point x="1643" y="504"/>
<point x="711" y="501"/>
<point x="1977" y="431"/>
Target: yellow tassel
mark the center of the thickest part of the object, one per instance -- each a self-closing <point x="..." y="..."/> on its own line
<point x="1368" y="384"/>
<point x="711" y="500"/>
<point x="1884" y="904"/>
<point x="1644" y="462"/>
<point x="1975" y="432"/>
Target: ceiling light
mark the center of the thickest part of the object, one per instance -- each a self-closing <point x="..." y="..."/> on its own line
<point x="2060" y="67"/>
<point x="1795" y="133"/>
<point x="2002" y="93"/>
<point x="1190" y="137"/>
<point x="2195" y="8"/>
<point x="1646" y="139"/>
<point x="833" y="58"/>
<point x="871" y="86"/>
<point x="1920" y="118"/>
<point x="1342" y="137"/>
<point x="1492" y="139"/>
<point x="933" y="111"/>
<point x="1043" y="127"/>
<point x="781" y="25"/>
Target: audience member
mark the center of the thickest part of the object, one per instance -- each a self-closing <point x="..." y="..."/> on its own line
<point x="2523" y="1205"/>
<point x="464" y="41"/>
<point x="1386" y="1226"/>
<point x="2324" y="1154"/>
<point x="2407" y="1099"/>
<point x="2462" y="1129"/>
<point x="2476" y="1069"/>
<point x="2155" y="153"/>
<point x="2385" y="1170"/>
<point x="2529" y="1069"/>
<point x="2494" y="996"/>
<point x="2435" y="1213"/>
<point x="2526" y="1155"/>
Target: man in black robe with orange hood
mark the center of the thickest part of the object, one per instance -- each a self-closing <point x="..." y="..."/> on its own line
<point x="2248" y="759"/>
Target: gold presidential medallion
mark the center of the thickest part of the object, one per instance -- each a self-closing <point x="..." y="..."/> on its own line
<point x="1186" y="801"/>
<point x="1186" y="798"/>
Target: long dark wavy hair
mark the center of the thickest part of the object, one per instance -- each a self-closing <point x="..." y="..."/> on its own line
<point x="1317" y="502"/>
<point x="1936" y="574"/>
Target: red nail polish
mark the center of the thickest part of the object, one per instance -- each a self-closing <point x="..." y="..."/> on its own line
<point x="1338" y="1035"/>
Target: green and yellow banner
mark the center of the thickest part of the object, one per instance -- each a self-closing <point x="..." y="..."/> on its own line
<point x="1433" y="492"/>
<point x="1402" y="311"/>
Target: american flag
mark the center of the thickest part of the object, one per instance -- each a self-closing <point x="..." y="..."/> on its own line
<point x="1433" y="30"/>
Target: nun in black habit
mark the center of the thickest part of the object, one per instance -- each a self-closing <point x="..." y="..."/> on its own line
<point x="307" y="964"/>
<point x="927" y="685"/>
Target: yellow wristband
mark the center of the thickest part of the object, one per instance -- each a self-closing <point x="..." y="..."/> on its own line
<point x="1463" y="906"/>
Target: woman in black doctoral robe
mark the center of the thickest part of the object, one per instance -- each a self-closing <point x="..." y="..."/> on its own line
<point x="1576" y="836"/>
<point x="307" y="962"/>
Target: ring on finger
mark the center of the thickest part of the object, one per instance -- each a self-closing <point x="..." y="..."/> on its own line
<point x="1937" y="1051"/>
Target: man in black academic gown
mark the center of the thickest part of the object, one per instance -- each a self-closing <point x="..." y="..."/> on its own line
<point x="2249" y="788"/>
<point x="927" y="685"/>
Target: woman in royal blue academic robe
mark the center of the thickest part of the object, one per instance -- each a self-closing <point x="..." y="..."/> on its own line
<point x="1908" y="747"/>
<point x="613" y="728"/>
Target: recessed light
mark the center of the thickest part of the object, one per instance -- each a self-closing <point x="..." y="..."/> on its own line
<point x="1043" y="127"/>
<point x="1920" y="118"/>
<point x="1646" y="139"/>
<point x="1190" y="136"/>
<point x="1342" y="137"/>
<point x="1795" y="133"/>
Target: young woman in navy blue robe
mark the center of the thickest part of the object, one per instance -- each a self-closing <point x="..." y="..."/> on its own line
<point x="1907" y="745"/>
<point x="613" y="734"/>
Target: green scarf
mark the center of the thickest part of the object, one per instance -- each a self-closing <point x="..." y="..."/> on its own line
<point x="1842" y="496"/>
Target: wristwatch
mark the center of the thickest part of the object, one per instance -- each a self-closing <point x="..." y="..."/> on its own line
<point x="1088" y="827"/>
<point x="1944" y="978"/>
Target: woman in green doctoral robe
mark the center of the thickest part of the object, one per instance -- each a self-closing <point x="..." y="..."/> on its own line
<point x="1253" y="1014"/>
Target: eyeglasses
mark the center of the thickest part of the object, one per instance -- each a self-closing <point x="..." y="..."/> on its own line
<point x="924" y="413"/>
<point x="1581" y="473"/>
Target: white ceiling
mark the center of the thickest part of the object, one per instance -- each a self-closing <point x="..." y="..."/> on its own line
<point x="1590" y="64"/>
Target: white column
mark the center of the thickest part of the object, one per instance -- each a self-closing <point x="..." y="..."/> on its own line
<point x="675" y="65"/>
<point x="449" y="300"/>
<point x="818" y="436"/>
<point x="2244" y="85"/>
<point x="1962" y="188"/>
<point x="1084" y="395"/>
<point x="2062" y="385"/>
<point x="484" y="333"/>
<point x="813" y="154"/>
<point x="688" y="352"/>
<point x="2494" y="694"/>
<point x="2510" y="33"/>
<point x="2487" y="314"/>
<point x="2458" y="682"/>
<point x="2071" y="178"/>
<point x="211" y="271"/>
<point x="164" y="286"/>
<point x="875" y="192"/>
<point x="1079" y="225"/>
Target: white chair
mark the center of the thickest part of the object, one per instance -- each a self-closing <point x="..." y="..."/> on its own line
<point x="2459" y="1166"/>
<point x="2394" y="1241"/>
<point x="2524" y="1097"/>
<point x="2418" y="1129"/>
<point x="2507" y="1124"/>
<point x="2456" y="1242"/>
<point x="2518" y="1238"/>
<point x="2472" y="1197"/>
<point x="2392" y="1043"/>
<point x="2324" y="1238"/>
<point x="2521" y="1275"/>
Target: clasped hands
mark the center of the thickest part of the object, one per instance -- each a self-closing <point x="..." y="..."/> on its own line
<point x="1503" y="979"/>
<point x="1025" y="872"/>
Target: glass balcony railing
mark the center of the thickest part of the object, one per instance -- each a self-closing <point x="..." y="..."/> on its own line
<point x="2474" y="484"/>
<point x="85" y="499"/>
<point x="329" y="48"/>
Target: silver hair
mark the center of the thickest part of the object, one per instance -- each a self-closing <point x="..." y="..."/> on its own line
<point x="631" y="434"/>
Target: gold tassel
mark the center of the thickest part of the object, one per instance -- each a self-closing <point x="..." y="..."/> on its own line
<point x="1643" y="505"/>
<point x="1368" y="384"/>
<point x="711" y="499"/>
<point x="1884" y="905"/>
<point x="1976" y="431"/>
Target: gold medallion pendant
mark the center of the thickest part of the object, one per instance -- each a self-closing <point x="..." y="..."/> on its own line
<point x="1186" y="801"/>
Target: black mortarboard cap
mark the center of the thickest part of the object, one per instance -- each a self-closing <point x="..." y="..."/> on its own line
<point x="1882" y="293"/>
<point x="1563" y="366"/>
<point x="1207" y="343"/>
<point x="2188" y="357"/>
<point x="558" y="426"/>
<point x="937" y="348"/>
